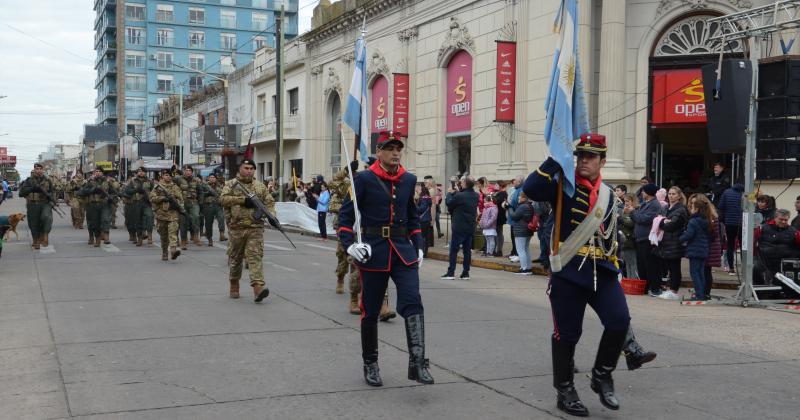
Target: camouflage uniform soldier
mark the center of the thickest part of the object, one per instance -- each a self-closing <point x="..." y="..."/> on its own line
<point x="137" y="191"/>
<point x="246" y="233"/>
<point x="339" y="187"/>
<point x="117" y="187"/>
<point x="99" y="194"/>
<point x="126" y="214"/>
<point x="167" y="214"/>
<point x="212" y="209"/>
<point x="190" y="222"/>
<point x="39" y="209"/>
<point x="77" y="205"/>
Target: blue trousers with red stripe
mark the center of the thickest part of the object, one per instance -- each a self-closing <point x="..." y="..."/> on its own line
<point x="373" y="289"/>
<point x="568" y="302"/>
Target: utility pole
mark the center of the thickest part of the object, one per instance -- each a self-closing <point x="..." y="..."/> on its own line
<point x="279" y="103"/>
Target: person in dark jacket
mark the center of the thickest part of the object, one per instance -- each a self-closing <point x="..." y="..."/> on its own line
<point x="777" y="240"/>
<point x="425" y="212"/>
<point x="717" y="184"/>
<point x="499" y="198"/>
<point x="765" y="206"/>
<point x="696" y="238"/>
<point x="671" y="248"/>
<point x="626" y="226"/>
<point x="522" y="235"/>
<point x="796" y="221"/>
<point x="730" y="212"/>
<point x="714" y="259"/>
<point x="649" y="264"/>
<point x="463" y="207"/>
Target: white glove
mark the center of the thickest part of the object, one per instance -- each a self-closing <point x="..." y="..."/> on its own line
<point x="360" y="252"/>
<point x="419" y="258"/>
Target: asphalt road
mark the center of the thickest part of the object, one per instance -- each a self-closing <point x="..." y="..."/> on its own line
<point x="115" y="333"/>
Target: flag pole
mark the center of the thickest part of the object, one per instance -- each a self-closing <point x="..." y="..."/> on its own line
<point x="357" y="142"/>
<point x="559" y="206"/>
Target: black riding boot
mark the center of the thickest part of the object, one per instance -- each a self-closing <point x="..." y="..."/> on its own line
<point x="568" y="399"/>
<point x="417" y="363"/>
<point x="635" y="355"/>
<point x="369" y="352"/>
<point x="605" y="363"/>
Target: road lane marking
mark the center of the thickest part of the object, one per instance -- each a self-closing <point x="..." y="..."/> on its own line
<point x="321" y="247"/>
<point x="50" y="249"/>
<point x="281" y="266"/>
<point x="279" y="248"/>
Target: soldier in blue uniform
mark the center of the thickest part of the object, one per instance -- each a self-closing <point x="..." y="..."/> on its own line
<point x="391" y="247"/>
<point x="583" y="272"/>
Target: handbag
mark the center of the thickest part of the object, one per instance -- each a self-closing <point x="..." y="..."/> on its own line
<point x="533" y="224"/>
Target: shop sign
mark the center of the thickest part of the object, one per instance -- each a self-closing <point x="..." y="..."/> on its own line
<point x="678" y="97"/>
<point x="459" y="93"/>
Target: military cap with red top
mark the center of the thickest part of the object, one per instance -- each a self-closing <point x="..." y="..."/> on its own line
<point x="592" y="143"/>
<point x="386" y="137"/>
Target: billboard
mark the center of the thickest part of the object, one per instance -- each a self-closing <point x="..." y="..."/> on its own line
<point x="678" y="97"/>
<point x="100" y="133"/>
<point x="151" y="149"/>
<point x="459" y="94"/>
<point x="212" y="138"/>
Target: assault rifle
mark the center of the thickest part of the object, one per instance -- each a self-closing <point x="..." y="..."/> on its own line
<point x="262" y="212"/>
<point x="53" y="203"/>
<point x="173" y="203"/>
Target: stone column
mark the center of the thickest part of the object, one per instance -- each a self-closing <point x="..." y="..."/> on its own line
<point x="612" y="82"/>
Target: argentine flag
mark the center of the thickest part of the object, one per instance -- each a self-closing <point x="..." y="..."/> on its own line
<point x="567" y="118"/>
<point x="356" y="114"/>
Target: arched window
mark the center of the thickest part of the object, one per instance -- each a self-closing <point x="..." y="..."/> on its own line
<point x="692" y="36"/>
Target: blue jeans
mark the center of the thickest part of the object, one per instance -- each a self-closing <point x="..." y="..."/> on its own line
<point x="524" y="252"/>
<point x="697" y="269"/>
<point x="460" y="240"/>
<point x="490" y="244"/>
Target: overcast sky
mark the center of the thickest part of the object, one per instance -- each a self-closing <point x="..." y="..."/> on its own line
<point x="47" y="73"/>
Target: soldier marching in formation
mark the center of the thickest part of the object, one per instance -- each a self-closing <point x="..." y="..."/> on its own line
<point x="77" y="204"/>
<point x="39" y="193"/>
<point x="167" y="199"/>
<point x="211" y="191"/>
<point x="117" y="187"/>
<point x="246" y="241"/>
<point x="190" y="221"/>
<point x="139" y="217"/>
<point x="99" y="194"/>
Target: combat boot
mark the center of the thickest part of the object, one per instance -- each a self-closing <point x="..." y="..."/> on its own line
<point x="35" y="243"/>
<point x="340" y="285"/>
<point x="386" y="313"/>
<point x="260" y="293"/>
<point x="164" y="256"/>
<point x="106" y="240"/>
<point x="174" y="252"/>
<point x="131" y="236"/>
<point x="635" y="355"/>
<point x="355" y="307"/>
<point x="234" y="291"/>
<point x="91" y="239"/>
<point x="139" y="239"/>
<point x="97" y="240"/>
<point x="222" y="237"/>
<point x="210" y="241"/>
<point x="417" y="363"/>
<point x="183" y="244"/>
<point x="605" y="363"/>
<point x="369" y="352"/>
<point x="567" y="397"/>
<point x="196" y="239"/>
<point x="45" y="241"/>
<point x="150" y="237"/>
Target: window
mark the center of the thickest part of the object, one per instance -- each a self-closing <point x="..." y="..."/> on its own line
<point x="294" y="101"/>
<point x="296" y="165"/>
<point x="197" y="61"/>
<point x="227" y="41"/>
<point x="135" y="82"/>
<point x="197" y="39"/>
<point x="165" y="13"/>
<point x="164" y="83"/>
<point x="226" y="64"/>
<point x="165" y="37"/>
<point x="274" y="105"/>
<point x="195" y="83"/>
<point x="134" y="36"/>
<point x="261" y="108"/>
<point x="262" y="4"/>
<point x="134" y="106"/>
<point x="259" y="21"/>
<point x="227" y="2"/>
<point x="197" y="16"/>
<point x="259" y="42"/>
<point x="227" y="18"/>
<point x="164" y="60"/>
<point x="135" y="128"/>
<point x="134" y="11"/>
<point x="134" y="59"/>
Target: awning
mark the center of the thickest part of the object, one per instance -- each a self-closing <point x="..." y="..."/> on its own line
<point x="158" y="164"/>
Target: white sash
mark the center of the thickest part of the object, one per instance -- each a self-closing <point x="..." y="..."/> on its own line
<point x="580" y="236"/>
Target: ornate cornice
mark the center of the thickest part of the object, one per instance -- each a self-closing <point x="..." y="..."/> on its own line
<point x="667" y="5"/>
<point x="457" y="39"/>
<point x="348" y="57"/>
<point x="333" y="83"/>
<point x="316" y="71"/>
<point x="377" y="65"/>
<point x="508" y="32"/>
<point x="349" y="20"/>
<point x="407" y="34"/>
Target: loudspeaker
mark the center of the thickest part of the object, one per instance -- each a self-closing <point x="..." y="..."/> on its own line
<point x="777" y="169"/>
<point x="778" y="107"/>
<point x="779" y="76"/>
<point x="778" y="128"/>
<point x="777" y="149"/>
<point x="727" y="114"/>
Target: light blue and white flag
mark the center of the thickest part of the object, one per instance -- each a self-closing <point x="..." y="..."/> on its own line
<point x="567" y="118"/>
<point x="356" y="114"/>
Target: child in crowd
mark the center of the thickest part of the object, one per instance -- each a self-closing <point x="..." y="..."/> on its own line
<point x="488" y="223"/>
<point x="696" y="237"/>
<point x="628" y="248"/>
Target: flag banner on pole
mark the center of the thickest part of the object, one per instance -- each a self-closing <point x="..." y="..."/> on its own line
<point x="567" y="117"/>
<point x="356" y="114"/>
<point x="401" y="103"/>
<point x="505" y="100"/>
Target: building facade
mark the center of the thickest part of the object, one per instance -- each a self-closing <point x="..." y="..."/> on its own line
<point x="148" y="50"/>
<point x="447" y="54"/>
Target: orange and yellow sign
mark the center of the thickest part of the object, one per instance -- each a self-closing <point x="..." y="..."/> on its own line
<point x="678" y="97"/>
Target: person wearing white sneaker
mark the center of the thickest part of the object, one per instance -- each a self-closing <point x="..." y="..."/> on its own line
<point x="669" y="295"/>
<point x="671" y="248"/>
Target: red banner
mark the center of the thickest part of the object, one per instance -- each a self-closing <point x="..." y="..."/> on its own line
<point x="459" y="94"/>
<point x="401" y="103"/>
<point x="8" y="160"/>
<point x="506" y="81"/>
<point x="3" y="151"/>
<point x="678" y="97"/>
<point x="379" y="118"/>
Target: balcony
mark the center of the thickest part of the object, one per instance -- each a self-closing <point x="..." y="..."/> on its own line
<point x="108" y="92"/>
<point x="104" y="4"/>
<point x="106" y="115"/>
<point x="106" y="49"/>
<point x="105" y="22"/>
<point x="266" y="132"/>
<point x="106" y="69"/>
